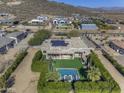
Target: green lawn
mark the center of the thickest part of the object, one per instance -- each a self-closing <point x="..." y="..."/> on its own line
<point x="71" y="63"/>
<point x="68" y="63"/>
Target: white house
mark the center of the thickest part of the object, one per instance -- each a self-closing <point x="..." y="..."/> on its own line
<point x="57" y="21"/>
<point x="65" y="48"/>
<point x="39" y="20"/>
<point x="5" y="44"/>
<point x="17" y="36"/>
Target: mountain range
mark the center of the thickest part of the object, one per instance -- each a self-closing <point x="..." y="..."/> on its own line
<point x="29" y="9"/>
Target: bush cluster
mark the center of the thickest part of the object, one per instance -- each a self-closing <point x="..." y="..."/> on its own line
<point x="39" y="37"/>
<point x="96" y="87"/>
<point x="37" y="62"/>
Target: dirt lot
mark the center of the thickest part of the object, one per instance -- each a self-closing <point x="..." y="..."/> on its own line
<point x="26" y="80"/>
<point x="7" y="59"/>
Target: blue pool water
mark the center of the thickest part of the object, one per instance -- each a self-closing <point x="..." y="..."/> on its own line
<point x="69" y="74"/>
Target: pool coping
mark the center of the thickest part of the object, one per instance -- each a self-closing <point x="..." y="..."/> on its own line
<point x="68" y="69"/>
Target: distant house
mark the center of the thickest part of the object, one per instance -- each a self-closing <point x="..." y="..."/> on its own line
<point x="117" y="45"/>
<point x="76" y="16"/>
<point x="39" y="20"/>
<point x="42" y="18"/>
<point x="2" y="33"/>
<point x="57" y="21"/>
<point x="88" y="27"/>
<point x="86" y="20"/>
<point x="4" y="14"/>
<point x="109" y="21"/>
<point x="36" y="21"/>
<point x="6" y="21"/>
<point x="17" y="36"/>
<point x="5" y="44"/>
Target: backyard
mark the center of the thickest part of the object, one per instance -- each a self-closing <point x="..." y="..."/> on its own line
<point x="71" y="63"/>
<point x="68" y="63"/>
<point x="93" y="79"/>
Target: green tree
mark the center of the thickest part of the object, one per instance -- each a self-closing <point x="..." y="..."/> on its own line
<point x="94" y="74"/>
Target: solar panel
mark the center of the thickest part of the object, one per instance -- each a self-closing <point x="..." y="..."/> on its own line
<point x="58" y="43"/>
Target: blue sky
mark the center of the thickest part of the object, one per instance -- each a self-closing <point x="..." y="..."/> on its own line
<point x="95" y="3"/>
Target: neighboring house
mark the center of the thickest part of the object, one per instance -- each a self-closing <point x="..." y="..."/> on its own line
<point x="2" y="33"/>
<point x="117" y="45"/>
<point x="86" y="20"/>
<point x="45" y="18"/>
<point x="76" y="16"/>
<point x="6" y="21"/>
<point x="39" y="20"/>
<point x="36" y="21"/>
<point x="88" y="27"/>
<point x="57" y="21"/>
<point x="65" y="48"/>
<point x="4" y="14"/>
<point x="5" y="44"/>
<point x="109" y="21"/>
<point x="17" y="36"/>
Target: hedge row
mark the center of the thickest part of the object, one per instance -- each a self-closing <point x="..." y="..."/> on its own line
<point x="36" y="62"/>
<point x="96" y="87"/>
<point x="39" y="37"/>
<point x="17" y="61"/>
<point x="12" y="68"/>
<point x="57" y="87"/>
<point x="38" y="56"/>
<point x="114" y="63"/>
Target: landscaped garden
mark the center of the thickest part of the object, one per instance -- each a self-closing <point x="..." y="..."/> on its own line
<point x="97" y="79"/>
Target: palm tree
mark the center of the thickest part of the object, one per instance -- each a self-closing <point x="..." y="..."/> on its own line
<point x="94" y="74"/>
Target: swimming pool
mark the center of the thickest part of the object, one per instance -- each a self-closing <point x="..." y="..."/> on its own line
<point x="69" y="74"/>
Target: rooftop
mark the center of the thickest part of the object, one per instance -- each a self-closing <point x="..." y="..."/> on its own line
<point x="4" y="41"/>
<point x="88" y="27"/>
<point x="14" y="34"/>
<point x="119" y="43"/>
<point x="67" y="46"/>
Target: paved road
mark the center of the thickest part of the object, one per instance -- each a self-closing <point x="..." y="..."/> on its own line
<point x="112" y="70"/>
<point x="26" y="80"/>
